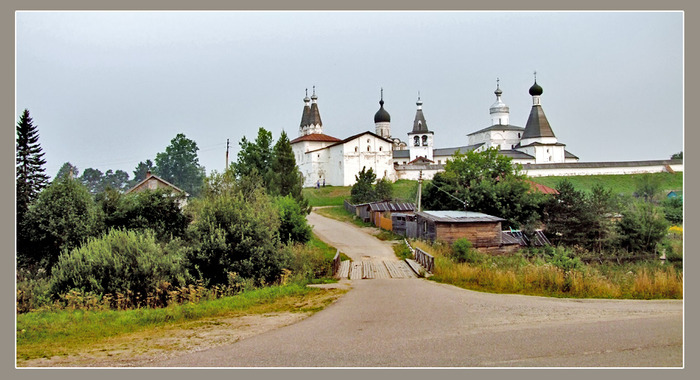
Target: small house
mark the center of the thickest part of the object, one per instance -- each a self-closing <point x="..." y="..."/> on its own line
<point x="482" y="230"/>
<point x="153" y="182"/>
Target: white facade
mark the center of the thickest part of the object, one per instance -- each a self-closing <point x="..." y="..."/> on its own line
<point x="420" y="145"/>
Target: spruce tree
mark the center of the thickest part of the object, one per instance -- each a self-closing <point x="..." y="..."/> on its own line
<point x="285" y="177"/>
<point x="30" y="175"/>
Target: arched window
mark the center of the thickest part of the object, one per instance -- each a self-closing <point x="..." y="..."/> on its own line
<point x="416" y="141"/>
<point x="355" y="149"/>
<point x="518" y="134"/>
<point x="368" y="148"/>
<point x="425" y="140"/>
<point x="380" y="148"/>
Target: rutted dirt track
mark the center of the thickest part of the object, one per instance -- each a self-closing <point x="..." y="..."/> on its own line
<point x="416" y="322"/>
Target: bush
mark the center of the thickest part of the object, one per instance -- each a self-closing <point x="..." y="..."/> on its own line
<point x="63" y="216"/>
<point x="308" y="262"/>
<point x="293" y="225"/>
<point x="673" y="209"/>
<point x="157" y="210"/>
<point x="237" y="233"/>
<point x="462" y="252"/>
<point x="120" y="262"/>
<point x="642" y="227"/>
<point x="564" y="259"/>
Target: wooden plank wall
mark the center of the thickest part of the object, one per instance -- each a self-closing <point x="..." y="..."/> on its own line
<point x="482" y="234"/>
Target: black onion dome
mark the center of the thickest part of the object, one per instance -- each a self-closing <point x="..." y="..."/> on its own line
<point x="382" y="116"/>
<point x="535" y="90"/>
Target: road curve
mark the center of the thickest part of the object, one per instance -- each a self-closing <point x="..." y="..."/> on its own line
<point x="419" y="323"/>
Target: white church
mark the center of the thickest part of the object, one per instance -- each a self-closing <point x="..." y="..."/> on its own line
<point x="323" y="159"/>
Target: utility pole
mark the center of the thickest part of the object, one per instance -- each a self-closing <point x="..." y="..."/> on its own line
<point x="420" y="185"/>
<point x="226" y="167"/>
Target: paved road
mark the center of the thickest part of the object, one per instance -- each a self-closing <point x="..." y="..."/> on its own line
<point x="416" y="323"/>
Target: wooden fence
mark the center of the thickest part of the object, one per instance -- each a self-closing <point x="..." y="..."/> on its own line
<point x="425" y="259"/>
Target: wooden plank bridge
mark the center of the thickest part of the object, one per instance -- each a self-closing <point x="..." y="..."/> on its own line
<point x="376" y="268"/>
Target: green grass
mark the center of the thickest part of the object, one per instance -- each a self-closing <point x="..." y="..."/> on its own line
<point x="620" y="184"/>
<point x="326" y="196"/>
<point x="49" y="333"/>
<point x="404" y="190"/>
<point x="328" y="251"/>
<point x="341" y="214"/>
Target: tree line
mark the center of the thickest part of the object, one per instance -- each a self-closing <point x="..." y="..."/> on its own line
<point x="239" y="228"/>
<point x="597" y="222"/>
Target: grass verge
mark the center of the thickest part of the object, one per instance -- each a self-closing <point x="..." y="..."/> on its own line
<point x="51" y="333"/>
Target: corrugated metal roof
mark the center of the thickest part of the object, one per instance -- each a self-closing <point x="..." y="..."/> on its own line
<point x="392" y="206"/>
<point x="459" y="216"/>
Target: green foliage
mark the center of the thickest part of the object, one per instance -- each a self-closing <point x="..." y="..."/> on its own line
<point x="576" y="218"/>
<point x="648" y="187"/>
<point x="142" y="170"/>
<point x="564" y="259"/>
<point x="483" y="182"/>
<point x="235" y="232"/>
<point x="62" y="218"/>
<point x="362" y="191"/>
<point x="68" y="170"/>
<point x="29" y="170"/>
<point x="179" y="165"/>
<point x="462" y="252"/>
<point x="285" y="177"/>
<point x="642" y="227"/>
<point x="383" y="190"/>
<point x="293" y="225"/>
<point x="673" y="209"/>
<point x="402" y="251"/>
<point x="255" y="157"/>
<point x="96" y="182"/>
<point x="156" y="210"/>
<point x="677" y="156"/>
<point x="119" y="262"/>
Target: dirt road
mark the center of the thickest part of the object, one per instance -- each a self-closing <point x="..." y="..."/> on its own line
<point x="416" y="322"/>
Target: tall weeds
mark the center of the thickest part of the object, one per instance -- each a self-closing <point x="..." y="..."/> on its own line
<point x="519" y="275"/>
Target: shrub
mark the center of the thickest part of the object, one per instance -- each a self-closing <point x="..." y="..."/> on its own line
<point x="293" y="225"/>
<point x="564" y="259"/>
<point x="642" y="227"/>
<point x="63" y="216"/>
<point x="673" y="209"/>
<point x="462" y="252"/>
<point x="308" y="262"/>
<point x="157" y="210"/>
<point x="120" y="262"/>
<point x="235" y="232"/>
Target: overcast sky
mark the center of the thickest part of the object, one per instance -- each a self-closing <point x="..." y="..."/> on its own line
<point x="110" y="89"/>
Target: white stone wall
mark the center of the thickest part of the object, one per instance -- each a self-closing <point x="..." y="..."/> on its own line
<point x="586" y="170"/>
<point x="364" y="151"/>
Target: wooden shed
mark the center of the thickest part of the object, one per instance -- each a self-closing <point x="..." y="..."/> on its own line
<point x="380" y="212"/>
<point x="481" y="230"/>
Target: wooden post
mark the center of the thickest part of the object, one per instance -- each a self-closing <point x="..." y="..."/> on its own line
<point x="420" y="185"/>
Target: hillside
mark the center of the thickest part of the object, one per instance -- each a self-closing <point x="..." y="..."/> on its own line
<point x="406" y="189"/>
